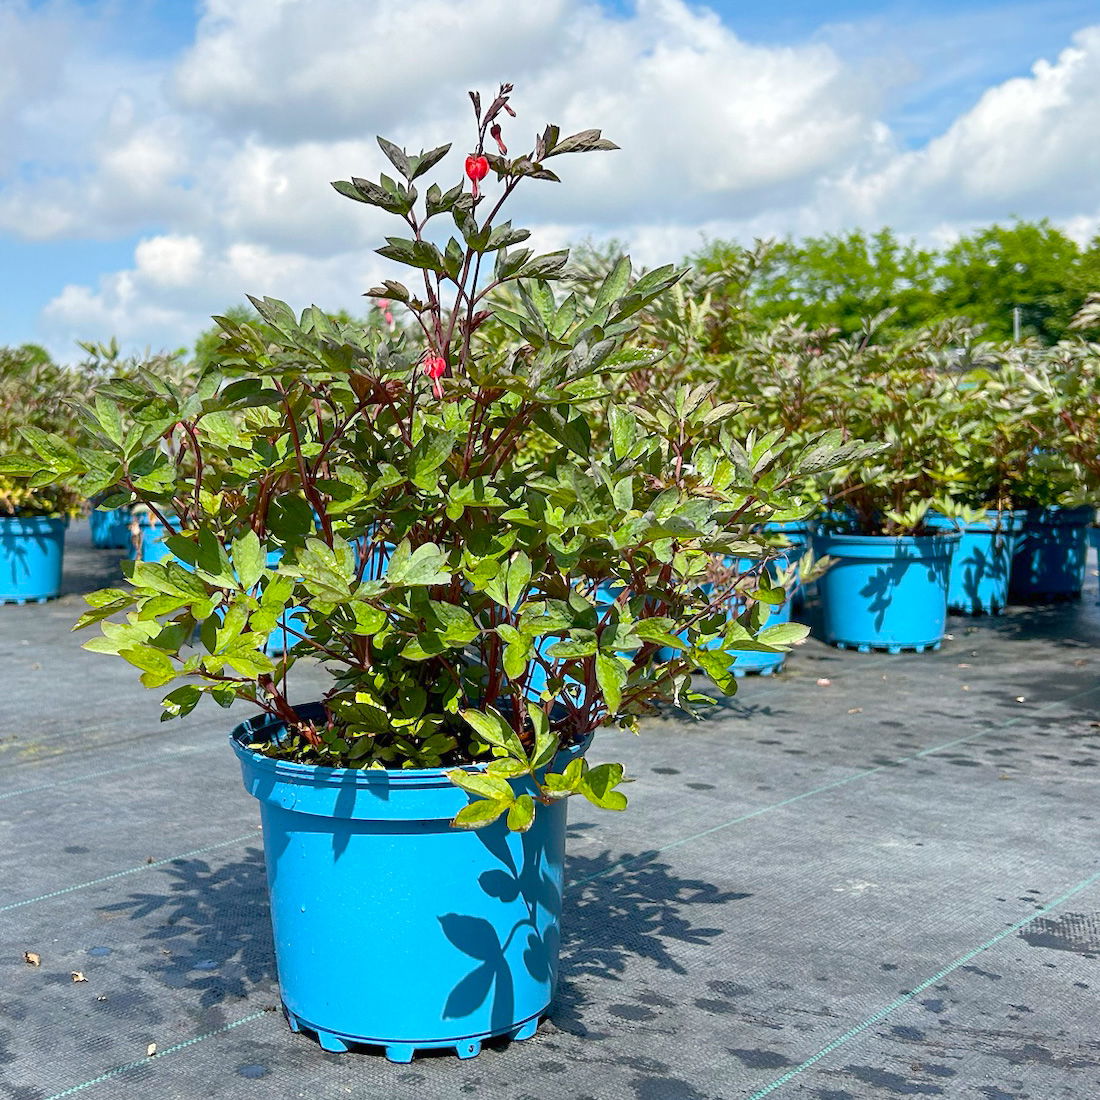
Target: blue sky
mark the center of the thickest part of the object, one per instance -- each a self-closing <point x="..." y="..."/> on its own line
<point x="159" y="158"/>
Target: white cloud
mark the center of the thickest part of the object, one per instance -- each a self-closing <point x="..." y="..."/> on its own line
<point x="220" y="160"/>
<point x="1030" y="146"/>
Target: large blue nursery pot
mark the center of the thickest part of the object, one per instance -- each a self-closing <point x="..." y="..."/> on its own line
<point x="110" y="528"/>
<point x="1050" y="558"/>
<point x="982" y="561"/>
<point x="885" y="592"/>
<point x="31" y="553"/>
<point x="391" y="927"/>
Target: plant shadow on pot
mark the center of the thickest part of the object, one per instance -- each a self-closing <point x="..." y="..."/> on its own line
<point x="881" y="587"/>
<point x="209" y="931"/>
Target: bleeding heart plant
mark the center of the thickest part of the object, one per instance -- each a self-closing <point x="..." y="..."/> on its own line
<point x="475" y="598"/>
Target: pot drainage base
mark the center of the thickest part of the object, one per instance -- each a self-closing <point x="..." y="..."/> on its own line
<point x="20" y="600"/>
<point x="1046" y="597"/>
<point x="404" y="1052"/>
<point x="866" y="647"/>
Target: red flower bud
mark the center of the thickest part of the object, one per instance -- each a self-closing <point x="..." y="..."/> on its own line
<point x="477" y="168"/>
<point x="435" y="366"/>
<point x="495" y="131"/>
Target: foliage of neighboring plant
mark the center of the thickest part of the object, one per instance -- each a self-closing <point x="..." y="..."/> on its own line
<point x="1065" y="380"/>
<point x="34" y="409"/>
<point x="471" y="601"/>
<point x="899" y="391"/>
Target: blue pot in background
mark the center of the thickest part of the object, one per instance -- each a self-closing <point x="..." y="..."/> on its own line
<point x="391" y="927"/>
<point x="32" y="549"/>
<point x="1050" y="557"/>
<point x="797" y="533"/>
<point x="747" y="661"/>
<point x="1094" y="542"/>
<point x="982" y="561"/>
<point x="110" y="528"/>
<point x="148" y="545"/>
<point x="885" y="592"/>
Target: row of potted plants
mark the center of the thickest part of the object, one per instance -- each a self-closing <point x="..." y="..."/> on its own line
<point x="983" y="487"/>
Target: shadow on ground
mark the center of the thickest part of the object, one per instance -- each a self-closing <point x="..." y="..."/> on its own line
<point x="211" y="932"/>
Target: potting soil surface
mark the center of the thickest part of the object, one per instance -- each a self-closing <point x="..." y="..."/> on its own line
<point x="870" y="876"/>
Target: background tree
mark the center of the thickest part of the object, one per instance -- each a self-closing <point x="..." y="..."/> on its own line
<point x="1032" y="265"/>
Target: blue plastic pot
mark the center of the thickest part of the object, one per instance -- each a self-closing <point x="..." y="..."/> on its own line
<point x="1094" y="542"/>
<point x="31" y="553"/>
<point x="797" y="533"/>
<point x="150" y="541"/>
<point x="747" y="661"/>
<point x="110" y="528"/>
<point x="1050" y="558"/>
<point x="391" y="927"/>
<point x="982" y="561"/>
<point x="764" y="664"/>
<point x="885" y="592"/>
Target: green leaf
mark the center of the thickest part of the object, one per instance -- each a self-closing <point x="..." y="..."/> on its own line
<point x="481" y="784"/>
<point x="507" y="767"/>
<point x="783" y="634"/>
<point x="397" y="156"/>
<point x="546" y="742"/>
<point x="428" y="455"/>
<point x="491" y="726"/>
<point x="598" y="786"/>
<point x="110" y="419"/>
<point x="547" y="266"/>
<point x="517" y="578"/>
<point x="581" y="643"/>
<point x="611" y="676"/>
<point x="149" y="659"/>
<point x="521" y="814"/>
<point x="425" y="565"/>
<point x="516" y="656"/>
<point x="427" y="161"/>
<point x="248" y="559"/>
<point x="422" y="254"/>
<point x="457" y="624"/>
<point x="479" y="814"/>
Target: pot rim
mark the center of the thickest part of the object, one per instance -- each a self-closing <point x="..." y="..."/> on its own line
<point x="322" y="775"/>
<point x="35" y="521"/>
<point x="880" y="540"/>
